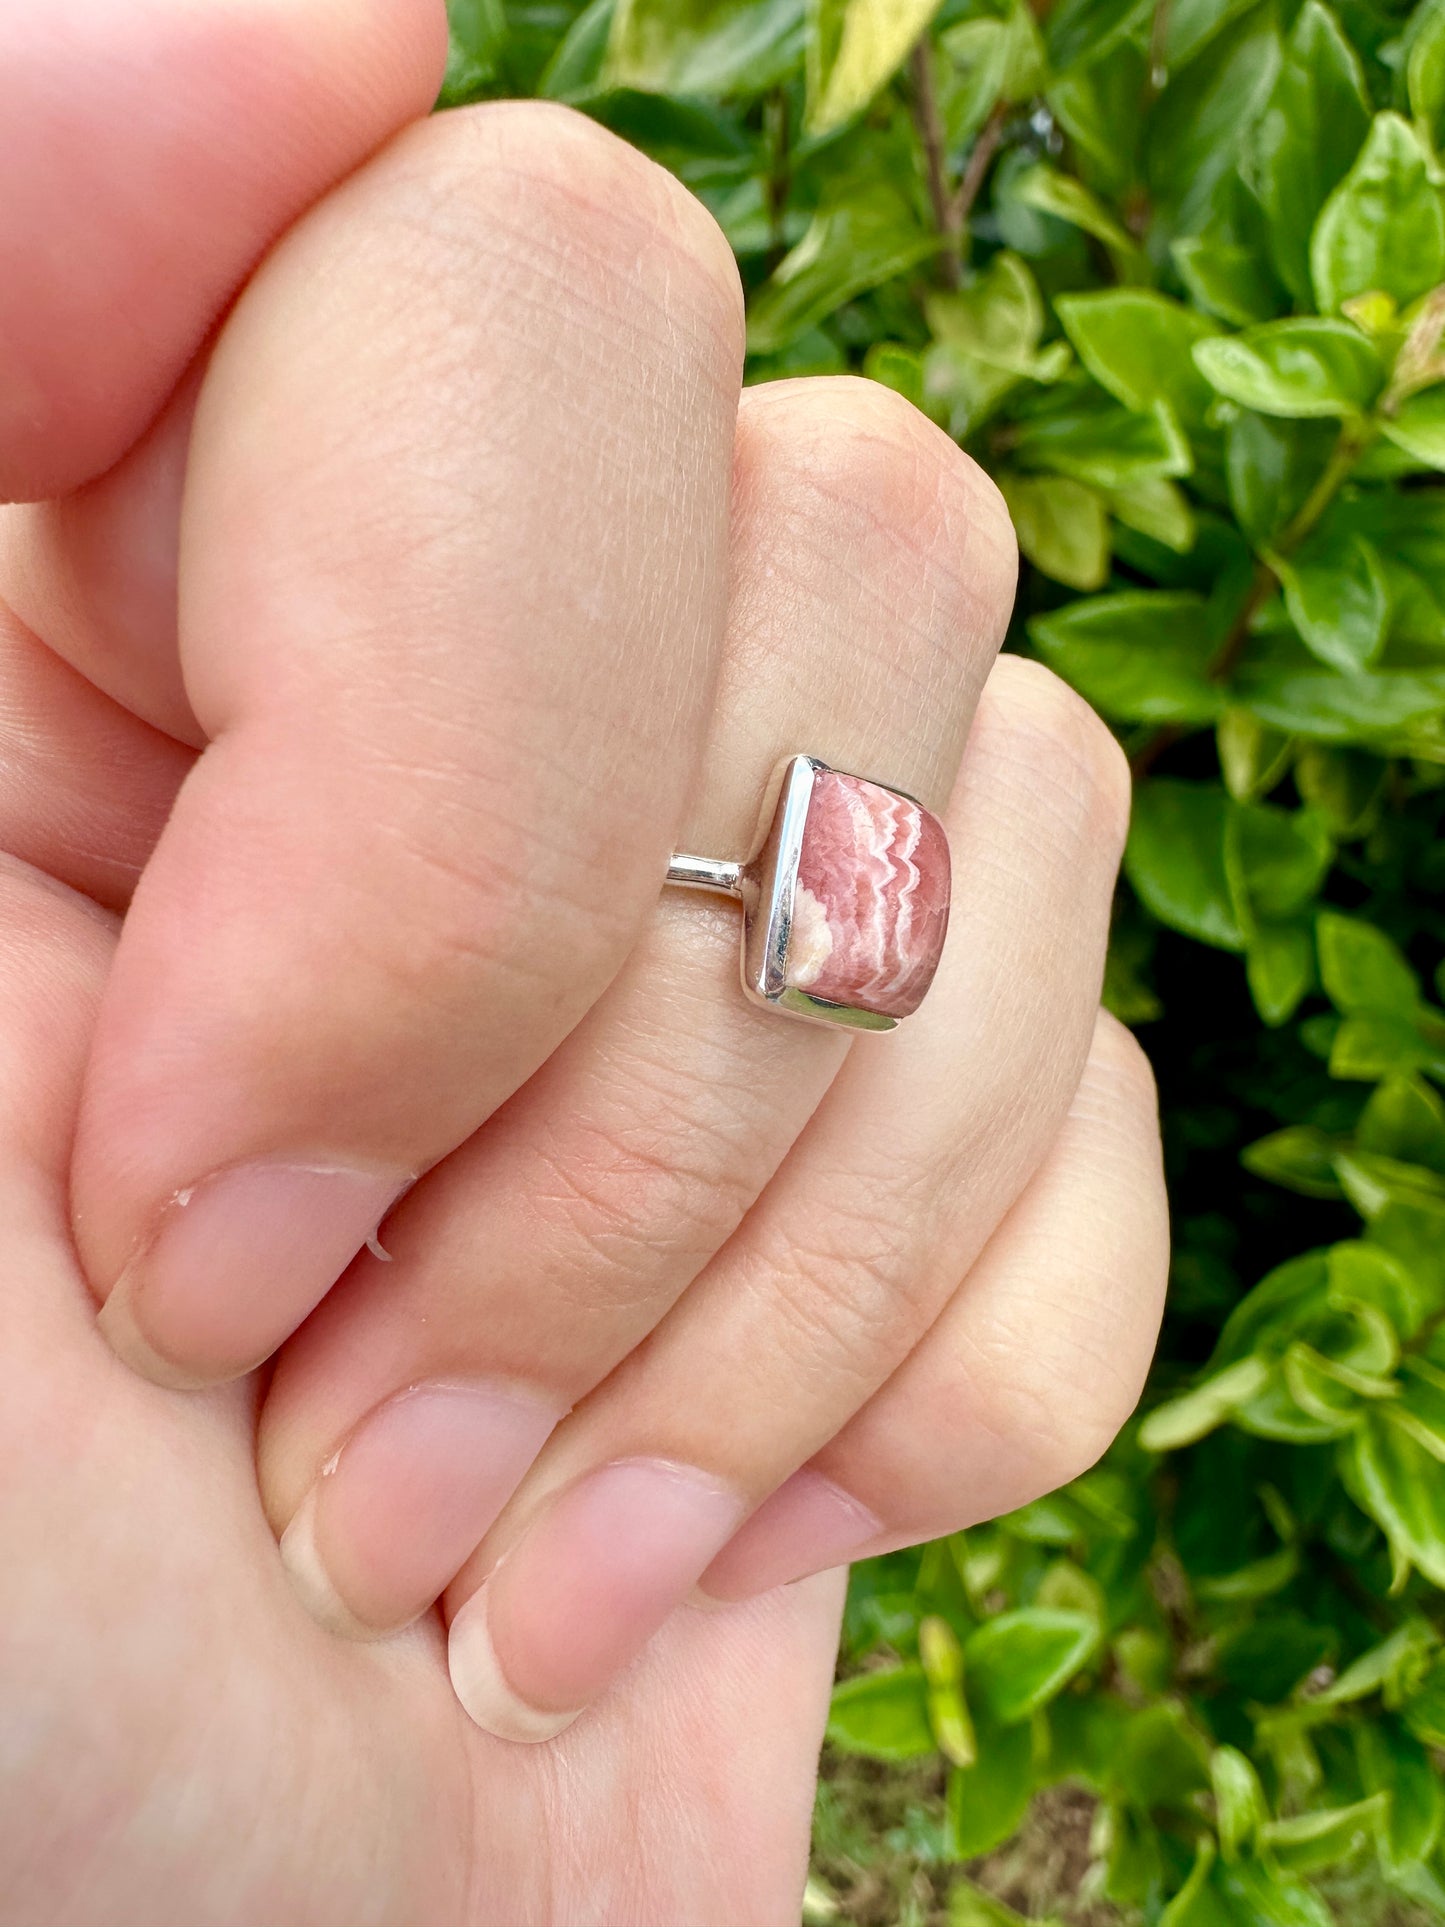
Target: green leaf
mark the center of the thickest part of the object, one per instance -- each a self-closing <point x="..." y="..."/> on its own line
<point x="1425" y="71"/>
<point x="1062" y="527"/>
<point x="1067" y="199"/>
<point x="1405" y="1119"/>
<point x="1362" y="969"/>
<point x="702" y="46"/>
<point x="987" y="342"/>
<point x="1424" y="1706"/>
<point x="1239" y="1801"/>
<point x="1306" y="1842"/>
<point x="852" y="245"/>
<point x="987" y="1801"/>
<point x="477" y="33"/>
<point x="883" y="1715"/>
<point x="1257" y="1894"/>
<point x="1017" y="1661"/>
<point x="854" y="47"/>
<point x="1301" y="1158"/>
<point x="1086" y="30"/>
<point x="1393" y="1763"/>
<point x="1177" y="864"/>
<point x="970" y="1906"/>
<point x="1343" y="785"/>
<point x="1183" y="1420"/>
<point x="1199" y="122"/>
<point x="1382" y="229"/>
<point x="1338" y="599"/>
<point x="1271" y="467"/>
<point x="1280" y="857"/>
<point x="1140" y="346"/>
<point x="1198" y="1902"/>
<point x="1418" y="426"/>
<point x="1159" y="509"/>
<point x="1310" y="132"/>
<point x="1398" y="1483"/>
<point x="1252" y="758"/>
<point x="1095" y="441"/>
<point x="1280" y="969"/>
<point x="1226" y="278"/>
<point x="1137" y="657"/>
<point x="1294" y="368"/>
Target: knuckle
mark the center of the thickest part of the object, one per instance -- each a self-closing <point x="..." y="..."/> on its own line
<point x="577" y="191"/>
<point x="1118" y="1068"/>
<point x="848" y="1298"/>
<point x="866" y="455"/>
<point x="1064" y="736"/>
<point x="634" y="1200"/>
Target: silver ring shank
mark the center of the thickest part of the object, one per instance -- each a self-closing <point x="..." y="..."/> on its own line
<point x="707" y="873"/>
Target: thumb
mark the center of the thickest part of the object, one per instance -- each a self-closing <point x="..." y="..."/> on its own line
<point x="151" y="152"/>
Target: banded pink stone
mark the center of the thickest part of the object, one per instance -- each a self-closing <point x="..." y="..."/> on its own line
<point x="871" y="904"/>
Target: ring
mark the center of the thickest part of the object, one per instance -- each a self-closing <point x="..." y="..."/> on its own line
<point x="845" y="902"/>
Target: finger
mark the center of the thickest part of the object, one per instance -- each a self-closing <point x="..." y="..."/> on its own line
<point x="1028" y="1374"/>
<point x="95" y="572"/>
<point x="150" y="152"/>
<point x="849" y="1255"/>
<point x="84" y="787"/>
<point x="550" y="1245"/>
<point x="452" y="713"/>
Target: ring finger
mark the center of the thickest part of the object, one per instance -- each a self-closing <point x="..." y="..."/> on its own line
<point x="850" y="1255"/>
<point x="872" y="573"/>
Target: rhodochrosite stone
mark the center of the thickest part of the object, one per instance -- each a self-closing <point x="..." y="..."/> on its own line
<point x="871" y="905"/>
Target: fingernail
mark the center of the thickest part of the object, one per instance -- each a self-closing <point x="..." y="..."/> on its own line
<point x="806" y="1526"/>
<point x="236" y="1262"/>
<point x="413" y="1490"/>
<point x="583" y="1592"/>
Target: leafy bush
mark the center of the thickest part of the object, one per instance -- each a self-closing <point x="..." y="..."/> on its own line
<point x="1173" y="272"/>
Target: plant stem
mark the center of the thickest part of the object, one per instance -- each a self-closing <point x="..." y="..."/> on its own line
<point x="1354" y="439"/>
<point x="947" y="216"/>
<point x="979" y="161"/>
<point x="778" y="183"/>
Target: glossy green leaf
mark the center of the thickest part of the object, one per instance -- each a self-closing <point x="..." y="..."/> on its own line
<point x="1280" y="970"/>
<point x="854" y="47"/>
<point x="702" y="46"/>
<point x="1362" y="969"/>
<point x="1196" y="1413"/>
<point x="1176" y="860"/>
<point x="1019" y="1660"/>
<point x="864" y="239"/>
<point x="987" y="1801"/>
<point x="883" y="1715"/>
<point x="1418" y="426"/>
<point x="1062" y="527"/>
<point x="1382" y="228"/>
<point x="1140" y="346"/>
<point x="1099" y="443"/>
<point x="1307" y="138"/>
<point x="1158" y="508"/>
<point x="1294" y="368"/>
<point x="1138" y="657"/>
<point x="1399" y="1483"/>
<point x="1199" y="122"/>
<point x="1239" y="1801"/>
<point x="1338" y="598"/>
<point x="477" y="35"/>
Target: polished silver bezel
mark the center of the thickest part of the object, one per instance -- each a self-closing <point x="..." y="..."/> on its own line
<point x="768" y="883"/>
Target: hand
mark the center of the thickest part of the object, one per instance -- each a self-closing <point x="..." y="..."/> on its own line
<point x="490" y="593"/>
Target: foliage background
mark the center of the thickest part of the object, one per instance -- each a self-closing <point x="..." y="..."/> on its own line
<point x="1172" y="269"/>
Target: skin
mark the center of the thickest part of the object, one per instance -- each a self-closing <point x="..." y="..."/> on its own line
<point x="388" y="590"/>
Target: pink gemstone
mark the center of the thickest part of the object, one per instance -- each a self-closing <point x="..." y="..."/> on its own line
<point x="871" y="906"/>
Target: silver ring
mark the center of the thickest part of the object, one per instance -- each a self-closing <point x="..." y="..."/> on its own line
<point x="845" y="901"/>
